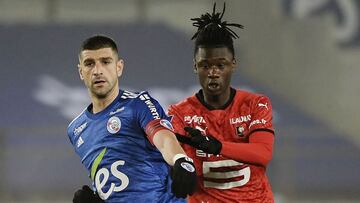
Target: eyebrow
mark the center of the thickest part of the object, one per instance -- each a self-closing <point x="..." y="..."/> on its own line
<point x="217" y="59"/>
<point x="106" y="58"/>
<point x="101" y="58"/>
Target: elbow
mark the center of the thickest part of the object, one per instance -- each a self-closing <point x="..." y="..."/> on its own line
<point x="266" y="158"/>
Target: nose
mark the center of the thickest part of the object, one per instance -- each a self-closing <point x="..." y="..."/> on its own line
<point x="213" y="71"/>
<point x="97" y="69"/>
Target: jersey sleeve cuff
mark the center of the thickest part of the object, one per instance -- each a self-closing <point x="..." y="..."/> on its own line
<point x="152" y="128"/>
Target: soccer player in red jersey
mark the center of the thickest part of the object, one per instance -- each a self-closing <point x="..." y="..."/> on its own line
<point x="227" y="132"/>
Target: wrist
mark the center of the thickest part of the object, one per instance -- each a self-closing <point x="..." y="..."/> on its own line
<point x="180" y="156"/>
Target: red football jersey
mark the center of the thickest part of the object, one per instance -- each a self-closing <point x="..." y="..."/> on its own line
<point x="222" y="179"/>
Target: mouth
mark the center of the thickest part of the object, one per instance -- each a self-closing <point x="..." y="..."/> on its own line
<point x="213" y="85"/>
<point x="99" y="82"/>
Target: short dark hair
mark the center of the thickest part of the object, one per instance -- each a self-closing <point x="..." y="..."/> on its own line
<point x="98" y="42"/>
<point x="212" y="32"/>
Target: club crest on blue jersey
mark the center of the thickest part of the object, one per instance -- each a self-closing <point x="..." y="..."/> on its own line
<point x="166" y="124"/>
<point x="113" y="125"/>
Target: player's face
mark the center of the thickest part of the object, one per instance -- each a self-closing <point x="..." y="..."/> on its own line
<point x="100" y="69"/>
<point x="214" y="67"/>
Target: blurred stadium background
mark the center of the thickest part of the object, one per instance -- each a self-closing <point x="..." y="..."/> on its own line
<point x="304" y="54"/>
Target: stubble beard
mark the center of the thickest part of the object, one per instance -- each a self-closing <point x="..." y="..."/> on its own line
<point x="101" y="93"/>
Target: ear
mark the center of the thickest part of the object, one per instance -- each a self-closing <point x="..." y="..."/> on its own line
<point x="119" y="67"/>
<point x="233" y="65"/>
<point x="80" y="72"/>
<point x="195" y="67"/>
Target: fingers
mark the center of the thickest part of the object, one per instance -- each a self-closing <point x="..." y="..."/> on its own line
<point x="178" y="192"/>
<point x="87" y="188"/>
<point x="184" y="177"/>
<point x="186" y="140"/>
<point x="192" y="131"/>
<point x="183" y="139"/>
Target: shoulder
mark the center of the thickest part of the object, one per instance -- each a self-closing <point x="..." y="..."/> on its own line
<point x="143" y="103"/>
<point x="130" y="95"/>
<point x="183" y="103"/>
<point x="250" y="97"/>
<point x="136" y="96"/>
<point x="255" y="102"/>
<point x="77" y="125"/>
<point x="77" y="119"/>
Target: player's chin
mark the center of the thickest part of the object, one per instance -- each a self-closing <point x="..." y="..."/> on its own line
<point x="100" y="92"/>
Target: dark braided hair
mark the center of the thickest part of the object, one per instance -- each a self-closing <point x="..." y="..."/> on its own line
<point x="213" y="33"/>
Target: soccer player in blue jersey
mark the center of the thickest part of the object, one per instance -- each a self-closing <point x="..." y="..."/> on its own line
<point x="124" y="139"/>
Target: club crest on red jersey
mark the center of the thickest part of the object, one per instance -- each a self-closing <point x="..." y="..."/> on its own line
<point x="240" y="131"/>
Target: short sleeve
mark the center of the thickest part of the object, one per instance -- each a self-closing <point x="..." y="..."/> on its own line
<point x="176" y="120"/>
<point x="261" y="114"/>
<point x="148" y="109"/>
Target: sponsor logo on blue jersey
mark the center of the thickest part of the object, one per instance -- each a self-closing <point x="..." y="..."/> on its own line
<point x="79" y="142"/>
<point x="79" y="129"/>
<point x="150" y="105"/>
<point x="117" y="111"/>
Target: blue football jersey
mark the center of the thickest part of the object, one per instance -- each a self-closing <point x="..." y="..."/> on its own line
<point x="113" y="146"/>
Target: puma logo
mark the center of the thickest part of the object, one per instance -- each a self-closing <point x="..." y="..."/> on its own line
<point x="201" y="129"/>
<point x="264" y="105"/>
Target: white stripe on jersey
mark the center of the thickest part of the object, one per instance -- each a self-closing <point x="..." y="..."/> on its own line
<point x="77" y="117"/>
<point x="244" y="172"/>
<point x="130" y="95"/>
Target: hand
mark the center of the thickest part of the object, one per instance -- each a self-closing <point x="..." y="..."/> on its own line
<point x="207" y="144"/>
<point x="184" y="177"/>
<point x="86" y="195"/>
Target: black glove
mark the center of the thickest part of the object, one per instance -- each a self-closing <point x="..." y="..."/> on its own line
<point x="207" y="144"/>
<point x="86" y="195"/>
<point x="183" y="176"/>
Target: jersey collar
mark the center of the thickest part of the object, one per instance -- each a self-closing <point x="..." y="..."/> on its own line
<point x="91" y="115"/>
<point x="200" y="97"/>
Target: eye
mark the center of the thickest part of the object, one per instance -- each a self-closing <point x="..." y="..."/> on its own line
<point x="88" y="64"/>
<point x="203" y="66"/>
<point x="221" y="65"/>
<point x="106" y="61"/>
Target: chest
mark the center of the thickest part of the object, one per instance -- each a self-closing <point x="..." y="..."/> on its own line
<point x="116" y="130"/>
<point x="231" y="124"/>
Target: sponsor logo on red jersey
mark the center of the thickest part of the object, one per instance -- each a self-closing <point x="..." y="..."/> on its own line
<point x="194" y="119"/>
<point x="257" y="121"/>
<point x="240" y="119"/>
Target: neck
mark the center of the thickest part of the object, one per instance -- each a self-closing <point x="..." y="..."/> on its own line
<point x="100" y="104"/>
<point x="217" y="101"/>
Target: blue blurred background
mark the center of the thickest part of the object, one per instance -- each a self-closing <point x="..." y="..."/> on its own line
<point x="303" y="54"/>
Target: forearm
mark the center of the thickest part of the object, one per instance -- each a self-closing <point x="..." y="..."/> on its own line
<point x="165" y="141"/>
<point x="258" y="151"/>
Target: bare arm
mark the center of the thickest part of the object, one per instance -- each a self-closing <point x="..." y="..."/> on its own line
<point x="165" y="141"/>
